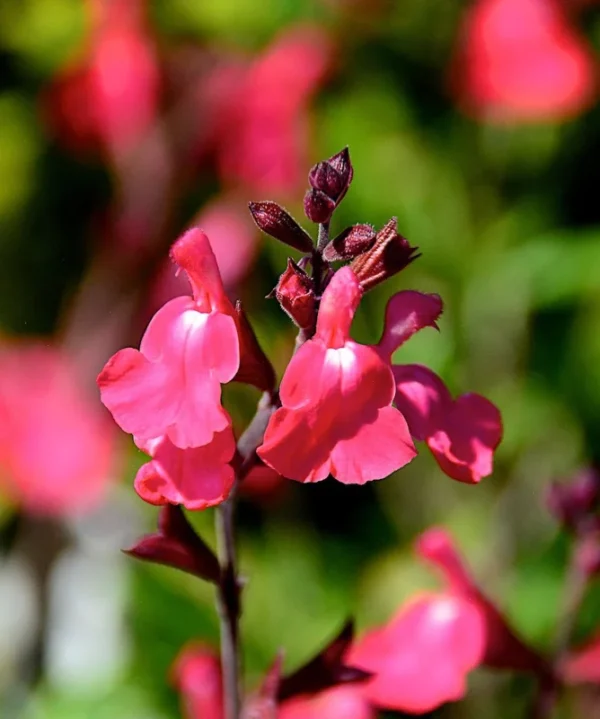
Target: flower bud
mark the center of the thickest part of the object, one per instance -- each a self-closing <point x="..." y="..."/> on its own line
<point x="573" y="503"/>
<point x="177" y="545"/>
<point x="327" y="179"/>
<point x="350" y="243"/>
<point x="318" y="207"/>
<point x="389" y="254"/>
<point x="295" y="294"/>
<point x="275" y="221"/>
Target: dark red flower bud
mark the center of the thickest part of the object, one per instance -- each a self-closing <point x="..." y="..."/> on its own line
<point x="327" y="179"/>
<point x="350" y="243"/>
<point x="342" y="163"/>
<point x="275" y="221"/>
<point x="573" y="503"/>
<point x="318" y="207"/>
<point x="295" y="293"/>
<point x="389" y="254"/>
<point x="325" y="670"/>
<point x="255" y="367"/>
<point x="177" y="545"/>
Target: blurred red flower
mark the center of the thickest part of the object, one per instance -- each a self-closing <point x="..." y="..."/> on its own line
<point x="522" y="60"/>
<point x="108" y="98"/>
<point x="56" y="448"/>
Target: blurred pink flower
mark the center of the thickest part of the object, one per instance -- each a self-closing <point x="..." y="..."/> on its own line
<point x="196" y="674"/>
<point x="582" y="665"/>
<point x="110" y="97"/>
<point x="56" y="448"/>
<point x="521" y="60"/>
<point x="343" y="702"/>
<point x="421" y="658"/>
<point x="263" y="130"/>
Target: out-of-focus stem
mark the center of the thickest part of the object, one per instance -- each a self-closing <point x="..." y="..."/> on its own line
<point x="228" y="601"/>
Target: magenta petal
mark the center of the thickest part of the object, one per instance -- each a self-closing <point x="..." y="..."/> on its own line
<point x="422" y="657"/>
<point x="173" y="386"/>
<point x="133" y="389"/>
<point x="422" y="398"/>
<point x="407" y="312"/>
<point x="196" y="478"/>
<point x="464" y="446"/>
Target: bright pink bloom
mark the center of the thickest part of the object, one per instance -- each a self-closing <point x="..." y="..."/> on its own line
<point x="197" y="676"/>
<point x="520" y="60"/>
<point x="421" y="658"/>
<point x="56" y="449"/>
<point x="263" y="125"/>
<point x="336" y="416"/>
<point x="197" y="478"/>
<point x="172" y="387"/>
<point x="503" y="648"/>
<point x="112" y="96"/>
<point x="462" y="434"/>
<point x="582" y="665"/>
<point x="342" y="702"/>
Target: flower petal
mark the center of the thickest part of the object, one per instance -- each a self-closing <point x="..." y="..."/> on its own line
<point x="338" y="305"/>
<point x="172" y="387"/>
<point x="422" y="398"/>
<point x="196" y="478"/>
<point x="422" y="657"/>
<point x="194" y="254"/>
<point x="464" y="445"/>
<point x="343" y="702"/>
<point x="407" y="312"/>
<point x="376" y="450"/>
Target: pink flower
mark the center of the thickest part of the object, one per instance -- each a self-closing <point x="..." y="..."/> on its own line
<point x="342" y="702"/>
<point x="421" y="658"/>
<point x="112" y="96"/>
<point x="582" y="665"/>
<point x="336" y="416"/>
<point x="197" y="676"/>
<point x="56" y="449"/>
<point x="198" y="477"/>
<point x="462" y="434"/>
<point x="520" y="60"/>
<point x="171" y="388"/>
<point x="263" y="137"/>
<point x="503" y="648"/>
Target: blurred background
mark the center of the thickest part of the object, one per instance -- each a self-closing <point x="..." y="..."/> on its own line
<point x="122" y="122"/>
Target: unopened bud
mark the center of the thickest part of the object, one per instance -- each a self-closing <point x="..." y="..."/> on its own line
<point x="275" y="221"/>
<point x="350" y="243"/>
<point x="327" y="179"/>
<point x="573" y="503"/>
<point x="390" y="253"/>
<point x="295" y="294"/>
<point x="318" y="207"/>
